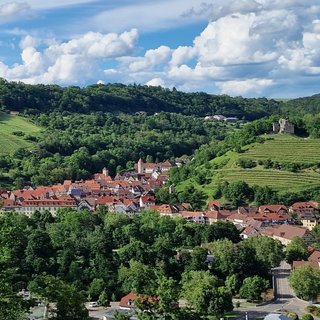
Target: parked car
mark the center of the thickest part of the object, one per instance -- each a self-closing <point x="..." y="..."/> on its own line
<point x="93" y="304"/>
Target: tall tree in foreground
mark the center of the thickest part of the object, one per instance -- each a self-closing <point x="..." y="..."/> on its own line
<point x="11" y="306"/>
<point x="68" y="303"/>
<point x="305" y="281"/>
<point x="296" y="250"/>
<point x="205" y="295"/>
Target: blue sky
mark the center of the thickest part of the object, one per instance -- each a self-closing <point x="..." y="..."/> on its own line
<point x="250" y="48"/>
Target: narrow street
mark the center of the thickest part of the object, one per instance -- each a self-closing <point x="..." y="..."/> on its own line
<point x="285" y="297"/>
<point x="282" y="288"/>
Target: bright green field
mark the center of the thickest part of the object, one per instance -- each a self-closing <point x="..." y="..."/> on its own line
<point x="285" y="148"/>
<point x="280" y="148"/>
<point x="11" y="123"/>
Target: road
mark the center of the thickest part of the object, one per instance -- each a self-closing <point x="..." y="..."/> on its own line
<point x="285" y="297"/>
<point x="281" y="285"/>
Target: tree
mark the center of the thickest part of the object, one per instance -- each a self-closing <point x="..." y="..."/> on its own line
<point x="168" y="294"/>
<point x="11" y="306"/>
<point x="296" y="250"/>
<point x="96" y="288"/>
<point x="203" y="292"/>
<point x="252" y="288"/>
<point x="239" y="192"/>
<point x="137" y="278"/>
<point x="198" y="259"/>
<point x="316" y="234"/>
<point x="68" y="303"/>
<point x="233" y="283"/>
<point x="268" y="250"/>
<point x="223" y="230"/>
<point x="263" y="195"/>
<point x="193" y="196"/>
<point x="305" y="281"/>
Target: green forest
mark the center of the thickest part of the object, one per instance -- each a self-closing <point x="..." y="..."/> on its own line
<point x="72" y="132"/>
<point x="104" y="256"/>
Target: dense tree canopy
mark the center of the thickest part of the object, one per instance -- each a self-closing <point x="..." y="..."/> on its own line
<point x="305" y="282"/>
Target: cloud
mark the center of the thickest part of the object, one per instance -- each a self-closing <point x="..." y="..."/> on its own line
<point x="43" y="5"/>
<point x="155" y="15"/>
<point x="11" y="9"/>
<point x="156" y="82"/>
<point x="243" y="87"/>
<point x="149" y="61"/>
<point x="248" y="47"/>
<point x="69" y="62"/>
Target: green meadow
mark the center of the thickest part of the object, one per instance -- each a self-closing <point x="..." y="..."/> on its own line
<point x="11" y="124"/>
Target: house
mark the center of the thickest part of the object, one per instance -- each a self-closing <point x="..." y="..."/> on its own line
<point x="305" y="209"/>
<point x="273" y="208"/>
<point x="215" y="205"/>
<point x="195" y="216"/>
<point x="313" y="261"/>
<point x="28" y="207"/>
<point x="146" y="201"/>
<point x="238" y="219"/>
<point x="215" y="216"/>
<point x="231" y="119"/>
<point x="248" y="232"/>
<point x="149" y="167"/>
<point x="271" y="218"/>
<point x="217" y="117"/>
<point x="128" y="302"/>
<point x="248" y="210"/>
<point x="285" y="233"/>
<point x="309" y="223"/>
<point x="166" y="210"/>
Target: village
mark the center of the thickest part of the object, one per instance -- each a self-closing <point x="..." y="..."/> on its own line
<point x="133" y="191"/>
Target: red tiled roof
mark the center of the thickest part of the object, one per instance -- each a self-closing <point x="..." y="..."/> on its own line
<point x="128" y="300"/>
<point x="107" y="200"/>
<point x="164" y="208"/>
<point x="214" y="203"/>
<point x="315" y="256"/>
<point x="238" y="216"/>
<point x="287" y="231"/>
<point x="306" y="204"/>
<point x="270" y="216"/>
<point x="272" y="208"/>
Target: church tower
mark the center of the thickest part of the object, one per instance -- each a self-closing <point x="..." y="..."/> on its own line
<point x="140" y="166"/>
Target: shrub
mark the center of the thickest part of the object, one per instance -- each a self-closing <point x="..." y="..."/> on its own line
<point x="246" y="163"/>
<point x="293" y="315"/>
<point x="307" y="316"/>
<point x="18" y="133"/>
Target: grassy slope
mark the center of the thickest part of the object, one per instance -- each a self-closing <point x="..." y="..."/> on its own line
<point x="10" y="123"/>
<point x="281" y="148"/>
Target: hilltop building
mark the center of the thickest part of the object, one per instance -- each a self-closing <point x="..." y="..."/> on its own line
<point x="283" y="126"/>
<point x="148" y="167"/>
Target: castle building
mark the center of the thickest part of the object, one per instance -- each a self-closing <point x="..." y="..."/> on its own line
<point x="283" y="126"/>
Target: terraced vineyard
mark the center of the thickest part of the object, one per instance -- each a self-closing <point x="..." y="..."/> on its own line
<point x="9" y="124"/>
<point x="280" y="148"/>
<point x="286" y="148"/>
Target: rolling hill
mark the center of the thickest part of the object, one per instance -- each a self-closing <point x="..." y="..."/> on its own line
<point x="13" y="131"/>
<point x="283" y="149"/>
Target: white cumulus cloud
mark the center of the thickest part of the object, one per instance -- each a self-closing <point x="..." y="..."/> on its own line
<point x="74" y="61"/>
<point x="243" y="87"/>
<point x="11" y="9"/>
